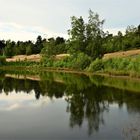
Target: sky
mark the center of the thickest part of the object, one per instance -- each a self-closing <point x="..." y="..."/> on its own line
<point x="26" y="19"/>
<point x="17" y="100"/>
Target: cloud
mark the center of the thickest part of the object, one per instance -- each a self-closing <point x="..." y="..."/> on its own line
<point x="114" y="31"/>
<point x="54" y="15"/>
<point x="26" y="19"/>
<point x="21" y="100"/>
<point x="14" y="31"/>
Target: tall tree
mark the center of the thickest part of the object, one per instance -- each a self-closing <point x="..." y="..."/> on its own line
<point x="87" y="37"/>
<point x="9" y="49"/>
<point x="94" y="35"/>
<point x="77" y="34"/>
<point x="38" y="45"/>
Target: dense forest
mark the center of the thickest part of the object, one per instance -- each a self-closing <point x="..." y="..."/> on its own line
<point x="87" y="42"/>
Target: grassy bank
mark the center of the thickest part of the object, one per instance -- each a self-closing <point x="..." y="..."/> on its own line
<point x="34" y="70"/>
<point x="38" y="69"/>
<point x="117" y="66"/>
<point x="79" y="79"/>
<point x="80" y="63"/>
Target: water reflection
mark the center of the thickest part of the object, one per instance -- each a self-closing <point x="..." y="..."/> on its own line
<point x="87" y="98"/>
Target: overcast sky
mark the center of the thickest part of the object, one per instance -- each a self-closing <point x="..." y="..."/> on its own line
<point x="26" y="19"/>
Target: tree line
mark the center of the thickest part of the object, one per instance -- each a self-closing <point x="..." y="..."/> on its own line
<point x="11" y="48"/>
<point x="87" y="38"/>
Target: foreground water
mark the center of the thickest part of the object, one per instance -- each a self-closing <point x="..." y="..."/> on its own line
<point x="68" y="106"/>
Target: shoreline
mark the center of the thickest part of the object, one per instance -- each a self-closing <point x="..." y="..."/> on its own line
<point x="37" y="70"/>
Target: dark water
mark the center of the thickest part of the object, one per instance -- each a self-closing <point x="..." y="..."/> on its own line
<point x="68" y="106"/>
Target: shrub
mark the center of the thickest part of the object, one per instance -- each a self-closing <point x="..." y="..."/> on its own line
<point x="76" y="61"/>
<point x="116" y="63"/>
<point x="96" y="65"/>
<point x="47" y="61"/>
<point x="2" y="60"/>
<point x="124" y="65"/>
<point x="80" y="61"/>
<point x="59" y="63"/>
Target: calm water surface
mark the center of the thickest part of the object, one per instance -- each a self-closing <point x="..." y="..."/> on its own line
<point x="68" y="106"/>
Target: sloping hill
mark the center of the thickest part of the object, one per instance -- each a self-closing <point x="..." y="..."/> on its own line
<point x="35" y="57"/>
<point x="130" y="53"/>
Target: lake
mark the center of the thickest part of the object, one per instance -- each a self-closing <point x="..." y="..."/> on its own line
<point x="53" y="106"/>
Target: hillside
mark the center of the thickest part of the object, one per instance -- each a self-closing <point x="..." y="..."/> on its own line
<point x="34" y="57"/>
<point x="130" y="53"/>
<point x="37" y="57"/>
<point x="24" y="57"/>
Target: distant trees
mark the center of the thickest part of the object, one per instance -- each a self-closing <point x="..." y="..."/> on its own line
<point x="10" y="48"/>
<point x="2" y="46"/>
<point x="29" y="48"/>
<point x="120" y="42"/>
<point x="38" y="45"/>
<point x="54" y="46"/>
<point x="51" y="46"/>
<point x="132" y="37"/>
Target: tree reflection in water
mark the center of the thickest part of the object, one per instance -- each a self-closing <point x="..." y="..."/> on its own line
<point x="87" y="98"/>
<point x="87" y="105"/>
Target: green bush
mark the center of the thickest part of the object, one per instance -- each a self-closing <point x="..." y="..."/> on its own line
<point x="116" y="63"/>
<point x="59" y="63"/>
<point x="96" y="65"/>
<point x="125" y="65"/>
<point x="47" y="61"/>
<point x="2" y="60"/>
<point x="80" y="61"/>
